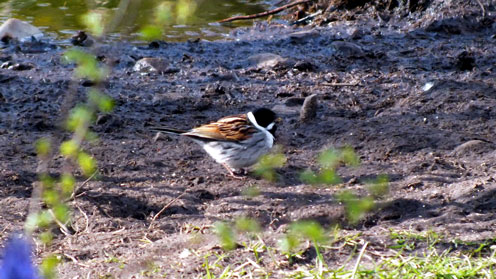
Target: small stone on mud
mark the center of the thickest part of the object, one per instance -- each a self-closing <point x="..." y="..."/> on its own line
<point x="473" y="147"/>
<point x="82" y="39"/>
<point x="309" y="109"/>
<point x="427" y="86"/>
<point x="151" y="64"/>
<point x="465" y="61"/>
<point x="19" y="30"/>
<point x="294" y="101"/>
<point x="347" y="49"/>
<point x="304" y="66"/>
<point x="198" y="180"/>
<point x="302" y="36"/>
<point x="265" y="60"/>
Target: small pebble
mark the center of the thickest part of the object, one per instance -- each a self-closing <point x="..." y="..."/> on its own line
<point x="309" y="109"/>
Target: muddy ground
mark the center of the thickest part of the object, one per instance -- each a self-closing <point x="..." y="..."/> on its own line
<point x="413" y="93"/>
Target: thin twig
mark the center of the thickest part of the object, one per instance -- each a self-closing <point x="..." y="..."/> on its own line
<point x="165" y="207"/>
<point x="266" y="13"/>
<point x="75" y="260"/>
<point x="307" y="18"/>
<point x="340" y="84"/>
<point x="73" y="195"/>
<point x="85" y="217"/>
<point x="359" y="259"/>
<point x="268" y="250"/>
<point x="63" y="227"/>
<point x="482" y="8"/>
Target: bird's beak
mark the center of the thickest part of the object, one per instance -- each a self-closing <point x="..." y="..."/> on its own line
<point x="278" y="120"/>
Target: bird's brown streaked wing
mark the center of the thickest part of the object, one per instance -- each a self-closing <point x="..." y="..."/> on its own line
<point x="231" y="128"/>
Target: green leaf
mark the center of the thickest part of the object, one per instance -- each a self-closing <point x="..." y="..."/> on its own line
<point x="61" y="212"/>
<point x="51" y="197"/>
<point x="86" y="163"/>
<point x="102" y="101"/>
<point x="88" y="66"/>
<point x="69" y="148"/>
<point x="379" y="187"/>
<point x="151" y="32"/>
<point x="67" y="183"/>
<point x="329" y="159"/>
<point x="268" y="163"/>
<point x="288" y="243"/>
<point x="79" y="117"/>
<point x="46" y="237"/>
<point x="184" y="9"/>
<point x="244" y="224"/>
<point x="47" y="181"/>
<point x="226" y="235"/>
<point x="251" y="192"/>
<point x="329" y="176"/>
<point x="163" y="13"/>
<point x="355" y="207"/>
<point x="49" y="266"/>
<point x="37" y="220"/>
<point x="94" y="23"/>
<point x="309" y="177"/>
<point x="43" y="147"/>
<point x="310" y="230"/>
<point x="350" y="157"/>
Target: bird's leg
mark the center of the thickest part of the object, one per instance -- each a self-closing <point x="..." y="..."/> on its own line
<point x="231" y="172"/>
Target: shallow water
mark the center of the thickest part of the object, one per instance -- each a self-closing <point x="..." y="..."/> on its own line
<point x="61" y="18"/>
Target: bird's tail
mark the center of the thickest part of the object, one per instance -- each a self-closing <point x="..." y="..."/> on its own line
<point x="167" y="130"/>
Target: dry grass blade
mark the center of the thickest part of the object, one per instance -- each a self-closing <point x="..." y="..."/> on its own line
<point x="359" y="260"/>
<point x="266" y="13"/>
<point x="164" y="208"/>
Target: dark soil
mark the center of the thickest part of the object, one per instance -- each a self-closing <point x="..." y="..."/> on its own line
<point x="420" y="107"/>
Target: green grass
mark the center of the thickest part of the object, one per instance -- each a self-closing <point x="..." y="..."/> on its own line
<point x="437" y="258"/>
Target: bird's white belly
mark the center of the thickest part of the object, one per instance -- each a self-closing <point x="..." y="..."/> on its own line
<point x="238" y="155"/>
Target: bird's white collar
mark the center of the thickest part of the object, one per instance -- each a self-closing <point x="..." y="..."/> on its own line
<point x="252" y="119"/>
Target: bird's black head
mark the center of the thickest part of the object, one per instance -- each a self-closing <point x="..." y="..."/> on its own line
<point x="266" y="118"/>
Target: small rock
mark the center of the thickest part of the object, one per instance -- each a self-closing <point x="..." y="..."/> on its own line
<point x="347" y="49"/>
<point x="82" y="39"/>
<point x="18" y="30"/>
<point x="151" y="64"/>
<point x="304" y="66"/>
<point x="309" y="109"/>
<point x="87" y="83"/>
<point x="265" y="60"/>
<point x="465" y="61"/>
<point x="448" y="26"/>
<point x="427" y="86"/>
<point x="302" y="36"/>
<point x="214" y="89"/>
<point x="473" y="147"/>
<point x="294" y="101"/>
<point x="154" y="45"/>
<point x="198" y="180"/>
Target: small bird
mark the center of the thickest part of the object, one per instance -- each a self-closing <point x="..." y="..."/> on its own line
<point x="235" y="141"/>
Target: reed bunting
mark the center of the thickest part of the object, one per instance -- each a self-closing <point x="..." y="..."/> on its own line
<point x="236" y="141"/>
